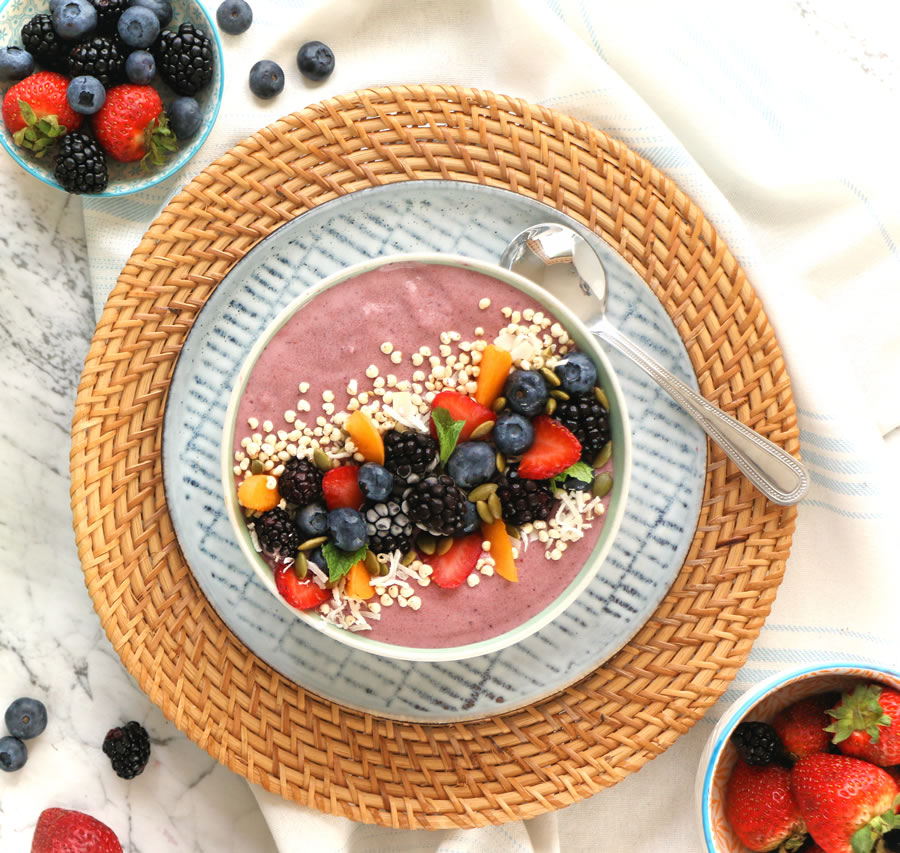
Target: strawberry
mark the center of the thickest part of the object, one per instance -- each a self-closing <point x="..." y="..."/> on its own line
<point x="341" y="488"/>
<point x="450" y="570"/>
<point x="131" y="125"/>
<point x="867" y="724"/>
<point x="760" y="808"/>
<point x="462" y="408"/>
<point x="847" y="803"/>
<point x="801" y="726"/>
<point x="36" y="111"/>
<point x="554" y="449"/>
<point x="302" y="594"/>
<point x="65" y="831"/>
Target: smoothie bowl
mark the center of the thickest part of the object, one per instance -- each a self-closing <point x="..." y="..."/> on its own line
<point x="426" y="457"/>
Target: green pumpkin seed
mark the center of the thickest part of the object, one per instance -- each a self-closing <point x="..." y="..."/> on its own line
<point x="494" y="506"/>
<point x="482" y="430"/>
<point x="602" y="399"/>
<point x="499" y="404"/>
<point x="408" y="558"/>
<point x="309" y="544"/>
<point x="384" y="569"/>
<point x="513" y="532"/>
<point x="426" y="543"/>
<point x="602" y="484"/>
<point x="445" y="543"/>
<point x="482" y="492"/>
<point x="301" y="567"/>
<point x="550" y="375"/>
<point x="603" y="456"/>
<point x="550" y="407"/>
<point x="484" y="512"/>
<point x="373" y="567"/>
<point x="501" y="462"/>
<point x="321" y="459"/>
<point x="559" y="394"/>
<point x="256" y="467"/>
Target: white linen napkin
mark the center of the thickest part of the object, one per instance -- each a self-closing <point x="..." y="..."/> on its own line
<point x="781" y="143"/>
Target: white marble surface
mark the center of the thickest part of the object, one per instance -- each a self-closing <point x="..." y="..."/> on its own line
<point x="51" y="643"/>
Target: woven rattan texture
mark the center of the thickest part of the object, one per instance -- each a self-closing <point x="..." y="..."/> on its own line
<point x="275" y="733"/>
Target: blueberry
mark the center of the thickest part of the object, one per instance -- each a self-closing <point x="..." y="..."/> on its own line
<point x="161" y="8"/>
<point x="15" y="63"/>
<point x="347" y="528"/>
<point x="577" y="373"/>
<point x="74" y="19"/>
<point x="26" y="718"/>
<point x="471" y="464"/>
<point x="573" y="484"/>
<point x="315" y="60"/>
<point x="185" y="116"/>
<point x="375" y="481"/>
<point x="140" y="68"/>
<point x="525" y="392"/>
<point x="311" y="520"/>
<point x="317" y="556"/>
<point x="471" y="521"/>
<point x="513" y="434"/>
<point x="138" y="26"/>
<point x="85" y="95"/>
<point x="234" y="17"/>
<point x="13" y="754"/>
<point x="266" y="79"/>
<point x="54" y="4"/>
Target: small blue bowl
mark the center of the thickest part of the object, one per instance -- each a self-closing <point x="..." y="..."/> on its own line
<point x="124" y="178"/>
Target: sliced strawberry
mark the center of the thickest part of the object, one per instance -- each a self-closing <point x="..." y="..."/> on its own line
<point x="554" y="449"/>
<point x="302" y="594"/>
<point x="451" y="569"/>
<point x="462" y="408"/>
<point x="341" y="488"/>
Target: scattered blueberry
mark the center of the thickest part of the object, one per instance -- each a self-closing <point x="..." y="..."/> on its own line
<point x="74" y="19"/>
<point x="347" y="528"/>
<point x="185" y="117"/>
<point x="311" y="520"/>
<point x="234" y="17"/>
<point x="525" y="392"/>
<point x="315" y="60"/>
<point x="138" y="26"/>
<point x="140" y="68"/>
<point x="577" y="373"/>
<point x="471" y="521"/>
<point x="513" y="434"/>
<point x="26" y="718"/>
<point x="15" y="63"/>
<point x="471" y="464"/>
<point x="85" y="95"/>
<point x="161" y="8"/>
<point x="13" y="754"/>
<point x="266" y="79"/>
<point x="317" y="556"/>
<point x="375" y="481"/>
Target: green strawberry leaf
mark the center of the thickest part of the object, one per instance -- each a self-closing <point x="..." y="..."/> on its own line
<point x="448" y="431"/>
<point x="27" y="113"/>
<point x="859" y="711"/>
<point x="340" y="562"/>
<point x="579" y="470"/>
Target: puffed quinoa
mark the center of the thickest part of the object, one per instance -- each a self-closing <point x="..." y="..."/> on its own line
<point x="473" y="580"/>
<point x="484" y="303"/>
<point x="387" y="347"/>
<point x="253" y="423"/>
<point x="303" y="387"/>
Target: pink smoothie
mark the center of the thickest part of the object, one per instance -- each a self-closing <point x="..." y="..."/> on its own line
<point x="332" y="340"/>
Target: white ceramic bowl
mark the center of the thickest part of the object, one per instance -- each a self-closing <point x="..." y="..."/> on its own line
<point x="621" y="437"/>
<point x="762" y="703"/>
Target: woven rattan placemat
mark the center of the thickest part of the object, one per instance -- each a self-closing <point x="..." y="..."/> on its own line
<point x="272" y="731"/>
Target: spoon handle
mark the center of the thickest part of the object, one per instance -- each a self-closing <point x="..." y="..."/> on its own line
<point x="777" y="474"/>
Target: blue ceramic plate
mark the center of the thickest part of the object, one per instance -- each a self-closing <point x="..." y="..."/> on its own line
<point x="665" y="492"/>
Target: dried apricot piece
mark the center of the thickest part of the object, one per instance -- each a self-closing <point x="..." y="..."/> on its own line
<point x="366" y="437"/>
<point x="501" y="549"/>
<point x="259" y="492"/>
<point x="495" y="364"/>
<point x="358" y="581"/>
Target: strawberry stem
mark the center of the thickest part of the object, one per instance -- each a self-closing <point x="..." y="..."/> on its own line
<point x="39" y="133"/>
<point x="859" y="711"/>
<point x="159" y="141"/>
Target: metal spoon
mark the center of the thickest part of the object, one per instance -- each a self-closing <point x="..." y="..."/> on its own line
<point x="564" y="264"/>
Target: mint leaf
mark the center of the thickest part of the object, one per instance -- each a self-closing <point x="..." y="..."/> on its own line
<point x="448" y="431"/>
<point x="579" y="470"/>
<point x="340" y="562"/>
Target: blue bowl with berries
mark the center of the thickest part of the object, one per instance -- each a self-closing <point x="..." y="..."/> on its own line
<point x="107" y="97"/>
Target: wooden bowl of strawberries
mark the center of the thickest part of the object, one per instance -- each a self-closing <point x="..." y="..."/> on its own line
<point x="107" y="97"/>
<point x="808" y="761"/>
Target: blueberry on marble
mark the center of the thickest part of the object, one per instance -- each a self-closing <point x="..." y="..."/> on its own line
<point x="26" y="718"/>
<point x="13" y="754"/>
<point x="375" y="481"/>
<point x="161" y="8"/>
<point x="577" y="373"/>
<point x="138" y="26"/>
<point x="85" y="95"/>
<point x="185" y="117"/>
<point x="15" y="63"/>
<point x="525" y="392"/>
<point x="234" y="17"/>
<point x="140" y="68"/>
<point x="311" y="520"/>
<point x="472" y="463"/>
<point x="513" y="433"/>
<point x="74" y="19"/>
<point x="266" y="79"/>
<point x="315" y="60"/>
<point x="347" y="528"/>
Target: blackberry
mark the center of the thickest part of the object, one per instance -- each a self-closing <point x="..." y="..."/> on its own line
<point x="523" y="500"/>
<point x="185" y="59"/>
<point x="757" y="743"/>
<point x="81" y="164"/>
<point x="102" y="57"/>
<point x="587" y="420"/>
<point x="108" y="14"/>
<point x="128" y="749"/>
<point x="436" y="505"/>
<point x="301" y="482"/>
<point x="388" y="527"/>
<point x="276" y="533"/>
<point x="39" y="38"/>
<point x="409" y="455"/>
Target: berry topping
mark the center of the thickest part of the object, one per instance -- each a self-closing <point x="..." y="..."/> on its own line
<point x="436" y="505"/>
<point x="347" y="528"/>
<point x="388" y="527"/>
<point x="161" y="8"/>
<point x="26" y="718"/>
<point x="276" y="533"/>
<point x="66" y="831"/>
<point x="185" y="59"/>
<point x="234" y="17"/>
<point x="128" y="748"/>
<point x="139" y="69"/>
<point x="588" y="420"/>
<point x="554" y="449"/>
<point x="86" y="95"/>
<point x="266" y="79"/>
<point x="526" y="392"/>
<point x="108" y="13"/>
<point x="471" y="520"/>
<point x="375" y="481"/>
<point x="302" y="594"/>
<point x="138" y="27"/>
<point x="311" y="521"/>
<point x="185" y="116"/>
<point x="409" y="456"/>
<point x="577" y="373"/>
<point x="450" y="570"/>
<point x="41" y="41"/>
<point x="13" y="754"/>
<point x="300" y="482"/>
<point x="472" y="464"/>
<point x="523" y="500"/>
<point x="462" y="408"/>
<point x="341" y="488"/>
<point x="74" y="19"/>
<point x="513" y="433"/>
<point x="315" y="60"/>
<point x="756" y="743"/>
<point x="15" y="63"/>
<point x="102" y="57"/>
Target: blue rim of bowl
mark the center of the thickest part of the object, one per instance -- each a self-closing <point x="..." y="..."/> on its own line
<point x="197" y="144"/>
<point x="752" y="698"/>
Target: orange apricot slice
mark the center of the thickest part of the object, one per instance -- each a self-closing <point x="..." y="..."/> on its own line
<point x="495" y="364"/>
<point x="254" y="493"/>
<point x="366" y="437"/>
<point x="501" y="550"/>
<point x="358" y="582"/>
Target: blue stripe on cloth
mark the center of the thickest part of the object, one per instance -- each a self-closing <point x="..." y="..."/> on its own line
<point x="855" y="465"/>
<point x="860" y="516"/>
<point x="838" y="445"/>
<point x="859" y="489"/>
<point x="825" y="629"/>
<point x="816" y="416"/>
<point x="882" y="229"/>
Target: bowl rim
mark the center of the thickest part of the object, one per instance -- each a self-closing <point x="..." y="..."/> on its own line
<point x="164" y="173"/>
<point x="745" y="703"/>
<point x="578" y="584"/>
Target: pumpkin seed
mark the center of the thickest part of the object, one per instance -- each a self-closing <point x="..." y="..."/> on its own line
<point x="408" y="558"/>
<point x="499" y="404"/>
<point x="256" y="467"/>
<point x="559" y="394"/>
<point x="550" y="375"/>
<point x="501" y="462"/>
<point x="602" y="484"/>
<point x="494" y="506"/>
<point x="484" y="512"/>
<point x="513" y="532"/>
<point x="373" y="567"/>
<point x="482" y="492"/>
<point x="426" y="543"/>
<point x="550" y="407"/>
<point x="384" y="569"/>
<point x="309" y="544"/>
<point x="482" y="430"/>
<point x="331" y="584"/>
<point x="321" y="459"/>
<point x="603" y="456"/>
<point x="445" y="543"/>
<point x="301" y="567"/>
<point x="602" y="399"/>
